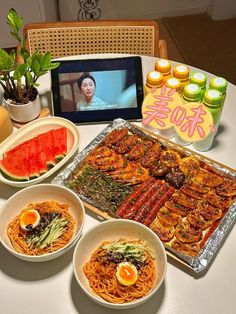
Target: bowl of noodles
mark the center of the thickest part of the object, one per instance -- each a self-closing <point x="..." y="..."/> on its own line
<point x="41" y="222"/>
<point x="120" y="263"/>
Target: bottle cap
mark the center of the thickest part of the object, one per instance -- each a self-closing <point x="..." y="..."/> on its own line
<point x="181" y="71"/>
<point x="198" y="78"/>
<point x="192" y="91"/>
<point x="154" y="78"/>
<point x="218" y="83"/>
<point x="212" y="97"/>
<point x="173" y="83"/>
<point x="163" y="66"/>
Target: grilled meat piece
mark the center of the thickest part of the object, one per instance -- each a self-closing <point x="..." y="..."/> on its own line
<point x="177" y="208"/>
<point x="139" y="208"/>
<point x="131" y="174"/>
<point x="133" y="197"/>
<point x="168" y="217"/>
<point x="116" y="136"/>
<point x="111" y="163"/>
<point x="158" y="170"/>
<point x="165" y="232"/>
<point x="191" y="249"/>
<point x="209" y="212"/>
<point x="227" y="188"/>
<point x="126" y="144"/>
<point x="218" y="200"/>
<point x="198" y="187"/>
<point x="208" y="178"/>
<point x="139" y="150"/>
<point x="189" y="166"/>
<point x="170" y="159"/>
<point x="151" y="156"/>
<point x="184" y="200"/>
<point x="175" y="177"/>
<point x="187" y="190"/>
<point x="187" y="234"/>
<point x="102" y="151"/>
<point x="197" y="221"/>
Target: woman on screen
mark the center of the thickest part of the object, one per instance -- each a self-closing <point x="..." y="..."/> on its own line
<point x="87" y="87"/>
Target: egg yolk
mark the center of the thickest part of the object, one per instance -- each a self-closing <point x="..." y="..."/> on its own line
<point x="126" y="274"/>
<point x="29" y="217"/>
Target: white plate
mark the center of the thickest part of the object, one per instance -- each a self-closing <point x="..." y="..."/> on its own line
<point x="113" y="230"/>
<point x="32" y="129"/>
<point x="41" y="193"/>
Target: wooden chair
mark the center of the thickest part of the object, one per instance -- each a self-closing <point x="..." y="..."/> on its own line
<point x="76" y="38"/>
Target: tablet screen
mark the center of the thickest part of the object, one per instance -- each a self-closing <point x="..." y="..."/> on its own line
<point x="98" y="90"/>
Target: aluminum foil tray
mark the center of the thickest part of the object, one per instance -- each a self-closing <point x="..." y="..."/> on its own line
<point x="211" y="246"/>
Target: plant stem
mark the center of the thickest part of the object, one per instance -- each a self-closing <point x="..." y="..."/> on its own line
<point x="6" y="91"/>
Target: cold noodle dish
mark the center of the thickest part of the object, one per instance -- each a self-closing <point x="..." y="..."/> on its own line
<point x="121" y="271"/>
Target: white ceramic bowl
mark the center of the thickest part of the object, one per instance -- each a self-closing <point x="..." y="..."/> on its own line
<point x="31" y="130"/>
<point x="113" y="230"/>
<point x="40" y="193"/>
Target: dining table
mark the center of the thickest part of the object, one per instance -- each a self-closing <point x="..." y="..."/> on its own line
<point x="51" y="288"/>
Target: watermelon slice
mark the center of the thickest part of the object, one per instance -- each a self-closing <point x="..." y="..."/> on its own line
<point x="47" y="144"/>
<point x="60" y="142"/>
<point x="40" y="157"/>
<point x="33" y="167"/>
<point x="16" y="165"/>
<point x="34" y="157"/>
<point x="31" y="149"/>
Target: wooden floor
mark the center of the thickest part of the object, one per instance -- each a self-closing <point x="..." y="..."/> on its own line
<point x="174" y="52"/>
<point x="204" y="43"/>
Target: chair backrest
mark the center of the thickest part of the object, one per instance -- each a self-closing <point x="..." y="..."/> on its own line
<point x="76" y="38"/>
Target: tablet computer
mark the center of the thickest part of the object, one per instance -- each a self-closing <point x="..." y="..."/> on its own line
<point x="98" y="90"/>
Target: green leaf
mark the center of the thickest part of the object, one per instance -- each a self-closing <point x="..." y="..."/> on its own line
<point x="17" y="37"/>
<point x="28" y="62"/>
<point x="22" y="68"/>
<point x="23" y="41"/>
<point x="38" y="56"/>
<point x="13" y="54"/>
<point x="29" y="78"/>
<point x="46" y="60"/>
<point x="19" y="71"/>
<point x="54" y="65"/>
<point x="14" y="21"/>
<point x="6" y="61"/>
<point x="35" y="65"/>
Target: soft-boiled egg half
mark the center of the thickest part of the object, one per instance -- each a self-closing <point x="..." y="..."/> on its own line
<point x="126" y="274"/>
<point x="29" y="218"/>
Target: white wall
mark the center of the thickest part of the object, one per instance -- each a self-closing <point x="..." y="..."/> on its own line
<point x="51" y="10"/>
<point x="222" y="9"/>
<point x="136" y="9"/>
<point x="30" y="10"/>
<point x="46" y="10"/>
<point x="153" y="9"/>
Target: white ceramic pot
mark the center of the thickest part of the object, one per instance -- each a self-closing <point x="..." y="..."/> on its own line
<point x="24" y="112"/>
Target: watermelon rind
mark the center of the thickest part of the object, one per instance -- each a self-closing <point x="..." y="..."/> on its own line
<point x="15" y="164"/>
<point x="11" y="176"/>
<point x="32" y="157"/>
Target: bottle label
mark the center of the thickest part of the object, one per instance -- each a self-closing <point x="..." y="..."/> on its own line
<point x="162" y="109"/>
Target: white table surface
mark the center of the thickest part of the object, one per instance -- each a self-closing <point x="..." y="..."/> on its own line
<point x="51" y="288"/>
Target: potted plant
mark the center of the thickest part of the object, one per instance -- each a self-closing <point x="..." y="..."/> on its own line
<point x="19" y="78"/>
